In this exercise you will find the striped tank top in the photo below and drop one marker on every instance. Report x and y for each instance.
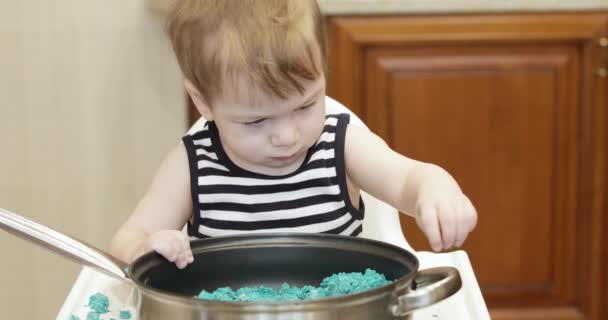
(229, 200)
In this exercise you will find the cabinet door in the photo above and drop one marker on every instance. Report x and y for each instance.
(511, 105)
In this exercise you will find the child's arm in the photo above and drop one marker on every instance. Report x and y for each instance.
(422, 190)
(156, 222)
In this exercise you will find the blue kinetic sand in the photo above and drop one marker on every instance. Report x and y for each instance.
(332, 286)
(99, 303)
(125, 314)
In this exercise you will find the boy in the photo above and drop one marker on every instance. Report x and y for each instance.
(268, 158)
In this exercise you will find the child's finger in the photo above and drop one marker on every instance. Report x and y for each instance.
(182, 245)
(186, 242)
(190, 257)
(168, 249)
(187, 256)
(463, 222)
(427, 221)
(182, 261)
(448, 225)
(472, 213)
(187, 251)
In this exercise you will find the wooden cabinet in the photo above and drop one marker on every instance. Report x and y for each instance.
(514, 107)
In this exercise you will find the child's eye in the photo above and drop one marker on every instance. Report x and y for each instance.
(255, 122)
(306, 107)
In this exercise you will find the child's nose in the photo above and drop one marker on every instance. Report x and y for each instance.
(285, 135)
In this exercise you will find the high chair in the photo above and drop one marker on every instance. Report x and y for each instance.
(381, 221)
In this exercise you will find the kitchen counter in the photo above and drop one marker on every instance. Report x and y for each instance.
(392, 7)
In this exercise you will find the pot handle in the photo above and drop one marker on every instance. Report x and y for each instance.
(62, 244)
(432, 285)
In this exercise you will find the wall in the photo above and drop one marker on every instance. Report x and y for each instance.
(390, 7)
(90, 100)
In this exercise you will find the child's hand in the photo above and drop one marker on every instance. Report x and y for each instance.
(423, 190)
(174, 245)
(444, 214)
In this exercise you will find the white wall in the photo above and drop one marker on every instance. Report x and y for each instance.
(90, 100)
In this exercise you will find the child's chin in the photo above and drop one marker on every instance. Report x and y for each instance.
(284, 167)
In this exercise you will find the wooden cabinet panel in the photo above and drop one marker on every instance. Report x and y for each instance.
(510, 105)
(504, 123)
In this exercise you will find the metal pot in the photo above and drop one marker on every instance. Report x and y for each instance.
(165, 292)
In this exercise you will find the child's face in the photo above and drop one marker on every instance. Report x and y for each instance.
(273, 135)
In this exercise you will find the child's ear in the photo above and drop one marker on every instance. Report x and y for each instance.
(199, 102)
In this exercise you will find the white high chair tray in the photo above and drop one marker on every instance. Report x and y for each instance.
(467, 304)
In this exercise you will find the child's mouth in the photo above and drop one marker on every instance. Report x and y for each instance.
(287, 158)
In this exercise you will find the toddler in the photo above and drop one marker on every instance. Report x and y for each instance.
(268, 158)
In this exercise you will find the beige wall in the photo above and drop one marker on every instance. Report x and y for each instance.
(366, 7)
(90, 100)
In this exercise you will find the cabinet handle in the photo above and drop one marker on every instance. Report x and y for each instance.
(602, 72)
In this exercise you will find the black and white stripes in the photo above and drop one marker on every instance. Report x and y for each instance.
(230, 200)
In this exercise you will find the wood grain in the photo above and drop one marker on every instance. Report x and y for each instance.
(510, 105)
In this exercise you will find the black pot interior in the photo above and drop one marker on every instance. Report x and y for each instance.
(271, 260)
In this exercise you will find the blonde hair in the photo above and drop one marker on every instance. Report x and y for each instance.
(276, 45)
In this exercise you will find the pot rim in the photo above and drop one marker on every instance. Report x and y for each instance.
(274, 239)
